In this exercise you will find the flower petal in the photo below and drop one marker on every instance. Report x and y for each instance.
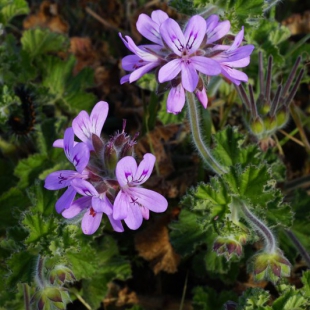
(216, 30)
(82, 126)
(91, 222)
(145, 169)
(149, 199)
(121, 206)
(125, 170)
(149, 28)
(102, 204)
(125, 79)
(189, 76)
(145, 212)
(202, 97)
(59, 179)
(169, 71)
(84, 188)
(134, 217)
(129, 63)
(69, 142)
(116, 224)
(176, 99)
(138, 73)
(98, 116)
(194, 33)
(80, 156)
(206, 65)
(234, 75)
(238, 39)
(65, 201)
(77, 207)
(173, 36)
(159, 16)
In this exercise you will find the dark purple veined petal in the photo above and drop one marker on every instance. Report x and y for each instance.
(91, 221)
(80, 156)
(125, 170)
(176, 99)
(59, 179)
(144, 170)
(65, 201)
(194, 33)
(121, 206)
(84, 188)
(173, 36)
(149, 199)
(77, 207)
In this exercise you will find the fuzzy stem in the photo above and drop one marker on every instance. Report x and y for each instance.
(26, 296)
(303, 252)
(201, 146)
(40, 273)
(269, 239)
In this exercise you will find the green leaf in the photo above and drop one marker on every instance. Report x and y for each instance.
(28, 169)
(230, 149)
(254, 299)
(186, 233)
(206, 298)
(305, 279)
(21, 266)
(39, 41)
(9, 9)
(148, 82)
(291, 299)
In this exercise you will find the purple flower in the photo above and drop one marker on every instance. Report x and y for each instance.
(233, 56)
(133, 202)
(92, 215)
(186, 58)
(216, 30)
(78, 155)
(84, 125)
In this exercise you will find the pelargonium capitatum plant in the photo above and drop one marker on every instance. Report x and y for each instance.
(107, 176)
(183, 58)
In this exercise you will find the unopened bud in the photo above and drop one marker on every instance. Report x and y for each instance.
(110, 156)
(270, 266)
(60, 275)
(257, 126)
(270, 123)
(97, 144)
(227, 246)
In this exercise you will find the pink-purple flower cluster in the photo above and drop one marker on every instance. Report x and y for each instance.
(181, 58)
(106, 176)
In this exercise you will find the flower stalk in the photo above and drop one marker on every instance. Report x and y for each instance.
(203, 149)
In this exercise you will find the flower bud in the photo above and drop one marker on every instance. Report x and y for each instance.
(270, 123)
(110, 156)
(60, 275)
(228, 246)
(257, 126)
(270, 266)
(282, 117)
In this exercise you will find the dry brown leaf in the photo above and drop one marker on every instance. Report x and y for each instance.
(153, 245)
(47, 17)
(298, 24)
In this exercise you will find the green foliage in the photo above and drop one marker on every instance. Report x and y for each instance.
(206, 298)
(9, 9)
(38, 41)
(254, 299)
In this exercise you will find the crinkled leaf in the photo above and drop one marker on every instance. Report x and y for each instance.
(41, 41)
(305, 279)
(254, 299)
(9, 9)
(186, 233)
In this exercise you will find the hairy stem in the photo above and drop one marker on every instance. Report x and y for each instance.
(200, 144)
(40, 273)
(303, 252)
(26, 296)
(265, 232)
